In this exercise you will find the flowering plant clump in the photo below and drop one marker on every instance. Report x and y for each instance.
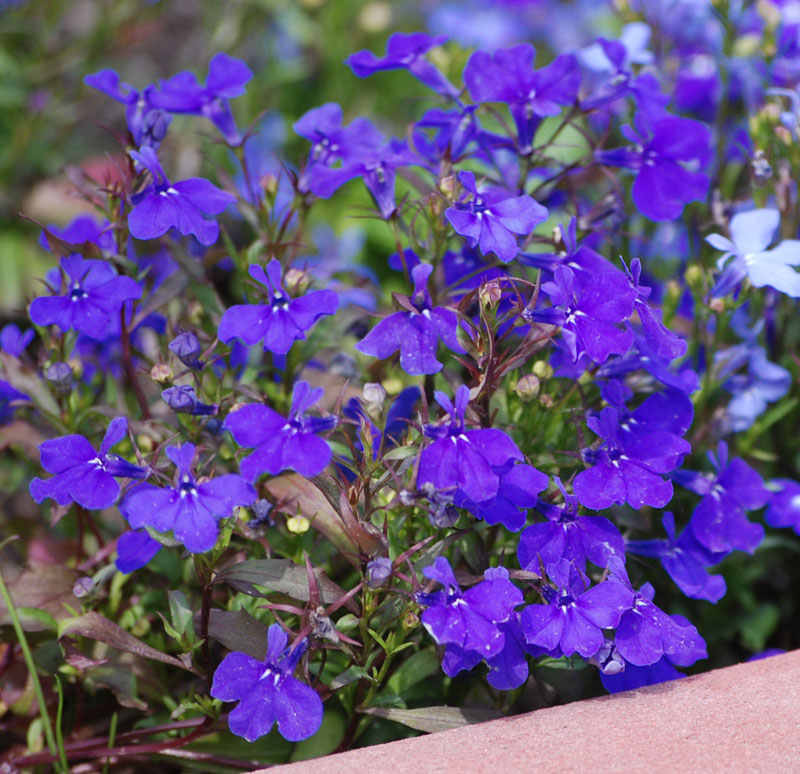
(501, 423)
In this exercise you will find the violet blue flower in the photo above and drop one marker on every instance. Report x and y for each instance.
(462, 459)
(627, 466)
(468, 619)
(507, 75)
(719, 520)
(147, 124)
(79, 231)
(182, 399)
(341, 153)
(405, 52)
(685, 559)
(280, 322)
(492, 217)
(267, 692)
(589, 312)
(566, 535)
(191, 511)
(784, 507)
(186, 347)
(573, 618)
(13, 341)
(183, 94)
(93, 300)
(662, 153)
(516, 493)
(645, 633)
(280, 442)
(163, 205)
(9, 394)
(83, 475)
(751, 234)
(415, 333)
(135, 549)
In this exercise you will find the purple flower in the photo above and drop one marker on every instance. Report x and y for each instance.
(93, 300)
(183, 94)
(79, 231)
(516, 492)
(186, 347)
(665, 153)
(638, 445)
(573, 619)
(282, 442)
(281, 322)
(134, 550)
(339, 154)
(182, 399)
(588, 313)
(405, 52)
(146, 123)
(267, 692)
(645, 633)
(719, 521)
(492, 217)
(190, 510)
(751, 234)
(415, 333)
(163, 205)
(508, 76)
(685, 559)
(784, 507)
(13, 341)
(82, 474)
(468, 619)
(565, 535)
(462, 459)
(378, 572)
(8, 394)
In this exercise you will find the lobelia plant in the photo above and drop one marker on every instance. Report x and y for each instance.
(337, 528)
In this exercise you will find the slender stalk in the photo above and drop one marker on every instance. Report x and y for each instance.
(56, 751)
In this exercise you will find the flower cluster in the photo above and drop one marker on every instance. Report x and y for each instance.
(464, 472)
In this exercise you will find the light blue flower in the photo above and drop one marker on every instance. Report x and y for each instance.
(751, 234)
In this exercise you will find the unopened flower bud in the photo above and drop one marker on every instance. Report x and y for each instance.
(490, 294)
(542, 369)
(298, 525)
(60, 376)
(717, 305)
(83, 587)
(161, 372)
(410, 621)
(296, 281)
(182, 399)
(694, 279)
(186, 347)
(378, 572)
(374, 396)
(528, 387)
(447, 186)
(269, 183)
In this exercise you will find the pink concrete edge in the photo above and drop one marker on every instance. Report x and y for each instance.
(742, 718)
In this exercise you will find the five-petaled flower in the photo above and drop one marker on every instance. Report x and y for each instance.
(280, 322)
(191, 510)
(282, 442)
(83, 475)
(267, 692)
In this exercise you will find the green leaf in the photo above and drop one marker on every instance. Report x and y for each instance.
(401, 453)
(413, 670)
(350, 675)
(432, 719)
(96, 627)
(34, 619)
(283, 576)
(180, 613)
(239, 631)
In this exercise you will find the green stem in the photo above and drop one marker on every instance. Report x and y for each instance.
(55, 750)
